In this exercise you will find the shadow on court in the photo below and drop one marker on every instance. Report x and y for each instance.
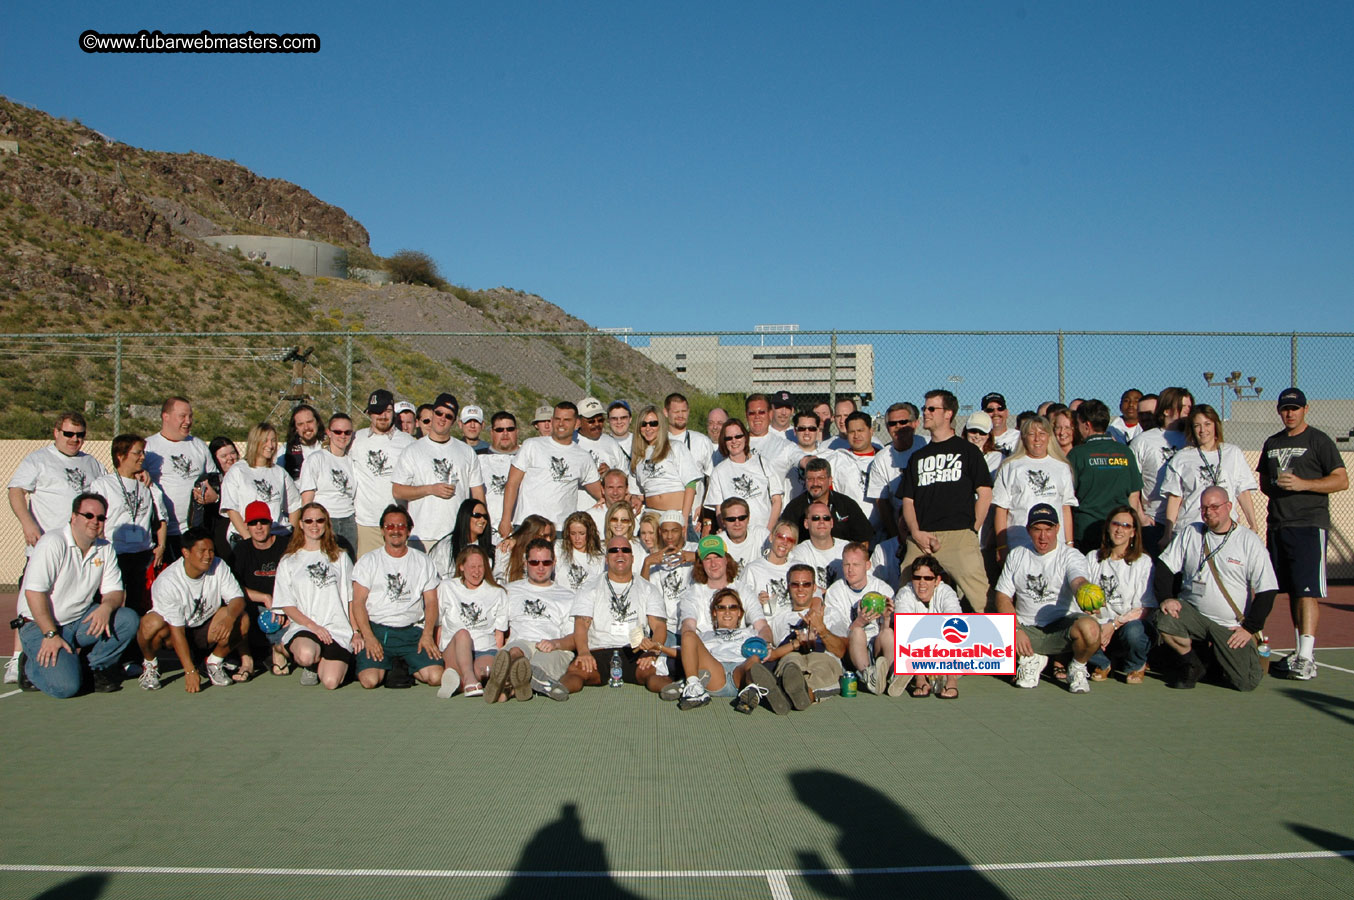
(1326, 840)
(86, 887)
(1338, 707)
(561, 847)
(873, 833)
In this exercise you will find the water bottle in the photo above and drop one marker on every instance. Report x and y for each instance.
(615, 669)
(1262, 648)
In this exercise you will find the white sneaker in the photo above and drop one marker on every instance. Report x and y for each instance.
(1302, 668)
(309, 677)
(694, 696)
(1028, 670)
(451, 680)
(12, 670)
(1078, 680)
(218, 674)
(150, 677)
(875, 677)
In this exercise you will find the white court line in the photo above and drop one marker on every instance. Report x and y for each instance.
(10, 694)
(780, 890)
(768, 874)
(1336, 668)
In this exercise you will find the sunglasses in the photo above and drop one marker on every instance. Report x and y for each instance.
(742, 518)
(97, 517)
(340, 431)
(479, 515)
(444, 415)
(620, 550)
(253, 522)
(393, 526)
(540, 562)
(648, 424)
(806, 428)
(734, 437)
(899, 424)
(314, 521)
(932, 408)
(925, 577)
(994, 408)
(820, 518)
(724, 607)
(79, 435)
(801, 584)
(507, 429)
(1121, 524)
(427, 421)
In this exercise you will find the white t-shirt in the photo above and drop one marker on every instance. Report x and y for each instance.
(552, 475)
(753, 547)
(1007, 441)
(494, 470)
(765, 577)
(428, 462)
(841, 605)
(756, 481)
(944, 601)
(176, 466)
(189, 602)
(539, 613)
(374, 457)
(1122, 432)
(843, 468)
(573, 569)
(617, 609)
(827, 564)
(887, 468)
(669, 475)
(395, 585)
(779, 453)
(53, 480)
(672, 582)
(885, 563)
(1241, 559)
(331, 478)
(695, 604)
(481, 612)
(69, 578)
(1154, 450)
(130, 504)
(605, 451)
(855, 480)
(1041, 585)
(1191, 471)
(726, 644)
(701, 448)
(1023, 482)
(319, 587)
(1126, 586)
(244, 484)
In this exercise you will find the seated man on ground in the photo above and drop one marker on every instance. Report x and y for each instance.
(869, 633)
(540, 622)
(807, 657)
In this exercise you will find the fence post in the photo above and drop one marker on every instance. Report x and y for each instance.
(832, 373)
(1062, 370)
(1293, 359)
(587, 364)
(348, 372)
(117, 387)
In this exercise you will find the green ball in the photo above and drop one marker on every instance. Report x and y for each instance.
(1090, 597)
(873, 602)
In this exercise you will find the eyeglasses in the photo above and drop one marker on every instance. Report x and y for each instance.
(340, 431)
(479, 515)
(96, 517)
(648, 424)
(724, 607)
(619, 418)
(1209, 506)
(444, 415)
(1121, 524)
(734, 437)
(932, 408)
(742, 518)
(507, 429)
(820, 518)
(620, 550)
(540, 562)
(801, 584)
(994, 408)
(395, 526)
(313, 521)
(253, 522)
(925, 577)
(899, 424)
(759, 412)
(427, 421)
(77, 435)
(806, 428)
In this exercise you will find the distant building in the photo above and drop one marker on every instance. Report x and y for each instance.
(805, 370)
(298, 254)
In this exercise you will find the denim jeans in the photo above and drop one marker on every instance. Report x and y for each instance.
(62, 679)
(1130, 640)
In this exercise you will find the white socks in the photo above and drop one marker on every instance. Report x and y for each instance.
(1306, 646)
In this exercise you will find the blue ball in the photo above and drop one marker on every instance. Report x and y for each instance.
(268, 622)
(755, 646)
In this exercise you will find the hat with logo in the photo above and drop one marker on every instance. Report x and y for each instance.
(1292, 398)
(380, 401)
(589, 407)
(447, 400)
(711, 544)
(783, 398)
(257, 510)
(988, 398)
(404, 406)
(1042, 512)
(543, 414)
(472, 414)
(979, 421)
(671, 516)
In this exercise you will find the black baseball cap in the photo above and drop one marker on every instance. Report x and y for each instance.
(380, 401)
(988, 398)
(1042, 512)
(1292, 398)
(447, 400)
(783, 399)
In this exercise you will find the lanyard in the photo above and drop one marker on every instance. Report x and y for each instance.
(1211, 472)
(1203, 548)
(133, 500)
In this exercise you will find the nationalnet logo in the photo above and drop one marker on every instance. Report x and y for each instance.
(937, 644)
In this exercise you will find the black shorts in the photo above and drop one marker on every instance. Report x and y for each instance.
(197, 637)
(1298, 554)
(332, 650)
(629, 661)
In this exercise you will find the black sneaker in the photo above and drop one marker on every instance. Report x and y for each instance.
(796, 688)
(24, 683)
(1192, 668)
(770, 688)
(107, 681)
(398, 677)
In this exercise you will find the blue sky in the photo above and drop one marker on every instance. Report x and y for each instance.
(699, 165)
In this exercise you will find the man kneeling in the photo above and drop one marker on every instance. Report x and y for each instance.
(196, 603)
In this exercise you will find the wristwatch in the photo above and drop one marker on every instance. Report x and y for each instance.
(50, 634)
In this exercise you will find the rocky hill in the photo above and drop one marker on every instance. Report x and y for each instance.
(100, 237)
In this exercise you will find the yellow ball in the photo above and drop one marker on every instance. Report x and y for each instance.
(1090, 597)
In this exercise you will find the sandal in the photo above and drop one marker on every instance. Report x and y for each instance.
(473, 690)
(1135, 677)
(281, 664)
(921, 690)
(1059, 671)
(242, 674)
(949, 693)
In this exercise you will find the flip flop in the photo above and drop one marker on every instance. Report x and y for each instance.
(921, 690)
(242, 675)
(949, 693)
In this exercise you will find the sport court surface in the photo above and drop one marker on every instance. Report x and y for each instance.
(272, 790)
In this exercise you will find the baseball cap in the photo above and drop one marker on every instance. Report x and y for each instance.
(979, 421)
(621, 404)
(1042, 512)
(379, 401)
(988, 398)
(671, 515)
(257, 510)
(589, 407)
(543, 414)
(472, 414)
(1292, 398)
(447, 400)
(711, 544)
(783, 398)
(404, 406)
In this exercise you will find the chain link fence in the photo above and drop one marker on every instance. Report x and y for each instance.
(236, 379)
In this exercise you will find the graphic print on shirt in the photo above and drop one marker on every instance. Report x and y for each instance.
(497, 483)
(396, 587)
(1284, 456)
(442, 470)
(559, 469)
(671, 584)
(378, 463)
(648, 468)
(1109, 583)
(263, 489)
(1038, 586)
(1039, 483)
(939, 468)
(181, 466)
(76, 480)
(196, 608)
(742, 486)
(534, 608)
(321, 574)
(577, 575)
(340, 481)
(779, 593)
(620, 608)
(471, 614)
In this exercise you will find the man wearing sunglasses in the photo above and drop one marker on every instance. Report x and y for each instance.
(435, 476)
(886, 471)
(68, 569)
(375, 451)
(1006, 439)
(540, 622)
(849, 521)
(495, 462)
(744, 541)
(821, 549)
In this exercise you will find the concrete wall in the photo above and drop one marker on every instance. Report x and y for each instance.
(306, 257)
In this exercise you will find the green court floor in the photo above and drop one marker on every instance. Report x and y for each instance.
(273, 790)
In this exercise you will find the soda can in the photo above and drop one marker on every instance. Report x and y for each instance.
(848, 684)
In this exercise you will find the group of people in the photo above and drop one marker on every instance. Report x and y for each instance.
(620, 546)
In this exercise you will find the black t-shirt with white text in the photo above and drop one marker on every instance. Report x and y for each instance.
(941, 479)
(1311, 455)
